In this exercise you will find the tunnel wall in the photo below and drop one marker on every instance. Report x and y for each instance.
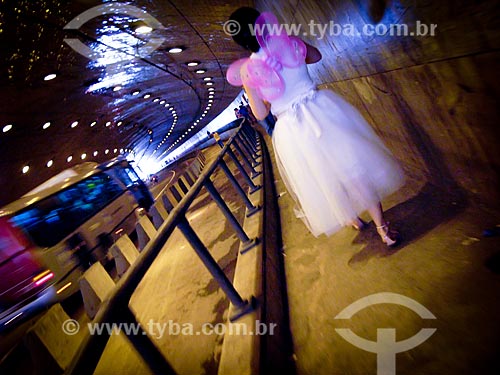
(432, 99)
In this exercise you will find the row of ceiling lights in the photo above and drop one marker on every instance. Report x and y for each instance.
(83, 156)
(211, 93)
(208, 81)
(174, 50)
(163, 103)
(74, 124)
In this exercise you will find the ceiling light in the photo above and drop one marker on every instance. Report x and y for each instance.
(176, 50)
(46, 125)
(50, 163)
(147, 96)
(162, 102)
(156, 100)
(94, 123)
(95, 153)
(210, 100)
(143, 29)
(69, 158)
(115, 150)
(108, 123)
(84, 156)
(6, 128)
(106, 152)
(119, 123)
(26, 168)
(200, 71)
(209, 83)
(117, 88)
(207, 78)
(136, 92)
(48, 77)
(192, 63)
(74, 124)
(211, 89)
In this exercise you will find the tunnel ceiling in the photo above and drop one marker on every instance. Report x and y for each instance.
(127, 93)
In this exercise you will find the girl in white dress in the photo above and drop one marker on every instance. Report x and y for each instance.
(330, 159)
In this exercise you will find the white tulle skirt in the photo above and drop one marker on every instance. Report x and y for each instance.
(331, 161)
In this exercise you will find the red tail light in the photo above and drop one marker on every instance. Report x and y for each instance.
(43, 277)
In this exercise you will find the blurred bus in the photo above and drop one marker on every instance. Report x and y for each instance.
(51, 235)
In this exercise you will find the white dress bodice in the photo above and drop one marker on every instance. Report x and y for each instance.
(297, 84)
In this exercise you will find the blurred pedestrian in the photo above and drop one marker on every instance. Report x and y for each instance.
(331, 160)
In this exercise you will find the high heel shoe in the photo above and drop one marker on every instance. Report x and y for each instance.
(359, 224)
(389, 236)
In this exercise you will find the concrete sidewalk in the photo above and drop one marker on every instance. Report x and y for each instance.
(444, 263)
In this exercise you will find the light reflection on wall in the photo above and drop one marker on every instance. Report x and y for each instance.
(116, 50)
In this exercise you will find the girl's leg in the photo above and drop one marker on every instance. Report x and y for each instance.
(388, 236)
(358, 224)
(377, 214)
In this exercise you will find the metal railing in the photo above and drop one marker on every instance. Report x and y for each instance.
(116, 308)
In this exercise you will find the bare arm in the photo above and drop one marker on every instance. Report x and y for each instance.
(260, 108)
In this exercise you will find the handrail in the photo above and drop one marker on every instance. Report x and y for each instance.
(116, 309)
(166, 186)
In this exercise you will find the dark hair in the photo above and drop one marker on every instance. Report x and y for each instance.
(245, 16)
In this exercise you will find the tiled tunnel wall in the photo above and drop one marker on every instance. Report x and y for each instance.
(432, 98)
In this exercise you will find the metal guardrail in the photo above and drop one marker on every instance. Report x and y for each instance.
(116, 310)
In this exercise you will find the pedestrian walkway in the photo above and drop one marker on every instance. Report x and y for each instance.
(444, 263)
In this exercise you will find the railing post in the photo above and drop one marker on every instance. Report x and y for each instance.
(241, 141)
(252, 152)
(247, 242)
(242, 306)
(251, 208)
(250, 134)
(253, 187)
(253, 172)
(248, 138)
(145, 347)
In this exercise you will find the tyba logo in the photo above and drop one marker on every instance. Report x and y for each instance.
(113, 8)
(386, 347)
